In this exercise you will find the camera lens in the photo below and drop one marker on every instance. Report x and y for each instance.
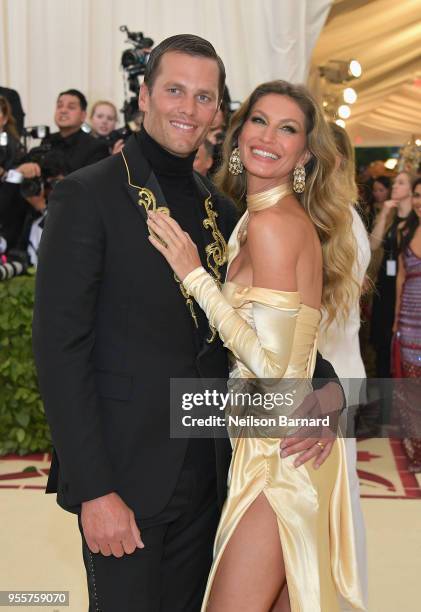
(31, 187)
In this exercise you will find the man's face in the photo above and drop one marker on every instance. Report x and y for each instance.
(183, 102)
(69, 114)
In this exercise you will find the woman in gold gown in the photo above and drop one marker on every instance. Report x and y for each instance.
(285, 539)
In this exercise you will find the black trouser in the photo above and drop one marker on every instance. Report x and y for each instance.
(170, 573)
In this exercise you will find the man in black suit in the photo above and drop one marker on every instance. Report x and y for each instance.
(76, 147)
(112, 326)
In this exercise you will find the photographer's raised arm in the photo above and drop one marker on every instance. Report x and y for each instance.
(68, 280)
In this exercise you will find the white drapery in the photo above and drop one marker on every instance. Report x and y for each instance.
(47, 46)
(385, 36)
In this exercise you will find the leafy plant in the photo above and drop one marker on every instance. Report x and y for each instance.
(23, 427)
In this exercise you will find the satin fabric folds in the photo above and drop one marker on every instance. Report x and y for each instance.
(271, 334)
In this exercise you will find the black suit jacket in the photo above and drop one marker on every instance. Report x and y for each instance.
(77, 150)
(110, 329)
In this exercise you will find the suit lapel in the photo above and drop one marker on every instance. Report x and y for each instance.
(146, 194)
(214, 256)
(142, 186)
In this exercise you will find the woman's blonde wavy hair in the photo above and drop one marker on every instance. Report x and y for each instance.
(326, 198)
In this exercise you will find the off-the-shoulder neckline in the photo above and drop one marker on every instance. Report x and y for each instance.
(302, 305)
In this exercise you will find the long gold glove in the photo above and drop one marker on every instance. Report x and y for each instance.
(265, 350)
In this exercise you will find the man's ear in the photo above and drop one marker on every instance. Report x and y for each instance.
(144, 98)
(83, 116)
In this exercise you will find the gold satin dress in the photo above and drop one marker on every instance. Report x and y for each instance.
(272, 335)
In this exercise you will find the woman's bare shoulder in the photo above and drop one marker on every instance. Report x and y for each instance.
(280, 228)
(276, 239)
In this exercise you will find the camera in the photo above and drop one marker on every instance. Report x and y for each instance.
(120, 134)
(10, 150)
(16, 264)
(52, 164)
(133, 63)
(4, 141)
(38, 132)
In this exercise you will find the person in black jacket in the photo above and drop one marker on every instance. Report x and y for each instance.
(13, 207)
(112, 327)
(77, 148)
(17, 111)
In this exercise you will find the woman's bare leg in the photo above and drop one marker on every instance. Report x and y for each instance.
(251, 572)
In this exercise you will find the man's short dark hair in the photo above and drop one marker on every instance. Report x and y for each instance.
(183, 43)
(77, 94)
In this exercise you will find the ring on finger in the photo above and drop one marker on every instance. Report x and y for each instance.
(322, 446)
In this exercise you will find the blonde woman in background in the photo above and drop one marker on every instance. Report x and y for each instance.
(103, 119)
(339, 343)
(285, 538)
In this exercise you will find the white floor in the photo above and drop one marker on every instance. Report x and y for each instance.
(40, 548)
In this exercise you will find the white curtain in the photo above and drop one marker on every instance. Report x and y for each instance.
(47, 46)
(385, 36)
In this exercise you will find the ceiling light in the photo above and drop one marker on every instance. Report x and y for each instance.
(418, 142)
(341, 123)
(390, 163)
(344, 111)
(355, 68)
(339, 71)
(350, 95)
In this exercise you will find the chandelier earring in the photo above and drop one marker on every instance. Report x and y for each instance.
(235, 165)
(299, 179)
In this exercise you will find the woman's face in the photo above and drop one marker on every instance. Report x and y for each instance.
(401, 187)
(273, 138)
(103, 120)
(416, 200)
(380, 192)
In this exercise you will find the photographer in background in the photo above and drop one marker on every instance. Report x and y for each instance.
(13, 98)
(78, 148)
(11, 147)
(103, 120)
(36, 192)
(13, 207)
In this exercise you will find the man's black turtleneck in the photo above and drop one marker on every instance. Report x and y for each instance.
(176, 179)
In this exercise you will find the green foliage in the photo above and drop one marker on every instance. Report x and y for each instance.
(23, 428)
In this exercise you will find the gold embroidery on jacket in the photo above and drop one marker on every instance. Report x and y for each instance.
(147, 199)
(216, 252)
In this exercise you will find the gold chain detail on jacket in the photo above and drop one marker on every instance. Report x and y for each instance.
(216, 252)
(148, 201)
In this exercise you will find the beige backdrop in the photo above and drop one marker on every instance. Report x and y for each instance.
(50, 45)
